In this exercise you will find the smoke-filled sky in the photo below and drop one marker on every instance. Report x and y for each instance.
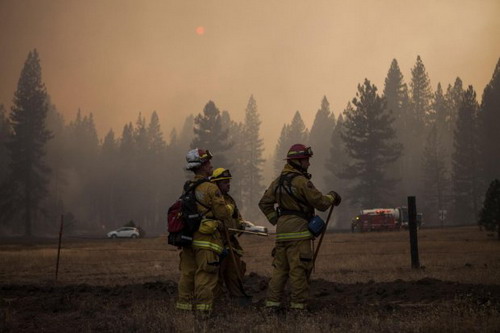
(116, 58)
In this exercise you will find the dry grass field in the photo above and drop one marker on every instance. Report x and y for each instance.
(362, 283)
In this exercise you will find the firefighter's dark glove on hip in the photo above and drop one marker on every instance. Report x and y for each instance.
(337, 199)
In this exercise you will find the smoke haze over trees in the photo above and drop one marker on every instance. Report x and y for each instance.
(410, 140)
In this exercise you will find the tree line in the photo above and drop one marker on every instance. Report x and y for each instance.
(406, 140)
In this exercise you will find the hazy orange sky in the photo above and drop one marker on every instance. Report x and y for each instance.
(116, 58)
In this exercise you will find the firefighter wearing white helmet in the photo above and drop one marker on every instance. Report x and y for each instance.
(296, 198)
(199, 264)
(228, 273)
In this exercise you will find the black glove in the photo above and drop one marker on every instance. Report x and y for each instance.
(337, 199)
(223, 254)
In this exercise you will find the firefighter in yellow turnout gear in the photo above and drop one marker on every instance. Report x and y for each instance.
(228, 274)
(296, 199)
(199, 264)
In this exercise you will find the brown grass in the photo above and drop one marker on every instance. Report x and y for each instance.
(462, 255)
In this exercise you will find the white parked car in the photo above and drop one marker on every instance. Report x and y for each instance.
(249, 226)
(124, 232)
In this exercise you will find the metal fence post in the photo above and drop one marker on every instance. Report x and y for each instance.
(412, 227)
(59, 247)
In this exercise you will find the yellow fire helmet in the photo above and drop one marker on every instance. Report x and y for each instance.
(220, 174)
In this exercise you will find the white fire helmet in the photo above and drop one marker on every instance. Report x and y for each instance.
(196, 157)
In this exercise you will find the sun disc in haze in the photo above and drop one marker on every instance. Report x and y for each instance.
(200, 30)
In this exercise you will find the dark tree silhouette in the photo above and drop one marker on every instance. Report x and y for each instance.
(295, 132)
(369, 140)
(321, 131)
(26, 185)
(490, 213)
(467, 164)
(334, 166)
(398, 102)
(436, 178)
(490, 120)
(252, 161)
(210, 133)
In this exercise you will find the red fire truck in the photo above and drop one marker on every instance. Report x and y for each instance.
(379, 219)
(375, 221)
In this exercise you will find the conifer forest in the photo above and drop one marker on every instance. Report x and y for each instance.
(407, 137)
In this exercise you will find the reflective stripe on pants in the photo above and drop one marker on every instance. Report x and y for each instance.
(271, 304)
(184, 306)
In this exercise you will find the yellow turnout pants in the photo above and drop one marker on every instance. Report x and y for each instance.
(292, 262)
(199, 275)
(228, 275)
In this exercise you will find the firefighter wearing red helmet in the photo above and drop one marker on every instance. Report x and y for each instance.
(199, 263)
(296, 199)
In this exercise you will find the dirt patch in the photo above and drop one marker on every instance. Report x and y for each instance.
(109, 308)
(397, 293)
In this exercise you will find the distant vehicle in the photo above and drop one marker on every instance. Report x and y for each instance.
(379, 219)
(249, 226)
(375, 222)
(124, 232)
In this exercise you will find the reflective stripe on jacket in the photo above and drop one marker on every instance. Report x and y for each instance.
(210, 198)
(207, 245)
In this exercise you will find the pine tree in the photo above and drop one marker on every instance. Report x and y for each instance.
(419, 120)
(235, 156)
(440, 118)
(398, 102)
(396, 96)
(210, 134)
(292, 133)
(82, 151)
(421, 94)
(335, 164)
(27, 183)
(82, 144)
(490, 120)
(108, 166)
(436, 182)
(252, 151)
(467, 160)
(453, 97)
(186, 135)
(125, 175)
(281, 149)
(298, 132)
(141, 140)
(323, 126)
(232, 158)
(490, 213)
(156, 142)
(439, 110)
(368, 137)
(337, 157)
(56, 160)
(140, 181)
(156, 180)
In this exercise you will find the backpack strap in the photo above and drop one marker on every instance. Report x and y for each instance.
(190, 186)
(285, 183)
